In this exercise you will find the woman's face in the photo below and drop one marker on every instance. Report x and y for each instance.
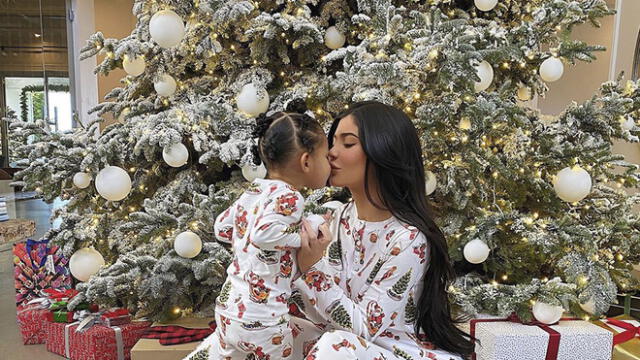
(346, 156)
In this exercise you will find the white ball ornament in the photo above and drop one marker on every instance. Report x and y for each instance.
(524, 93)
(485, 5)
(572, 184)
(175, 155)
(547, 314)
(187, 244)
(81, 180)
(476, 251)
(589, 306)
(485, 73)
(252, 172)
(166, 86)
(113, 183)
(166, 28)
(133, 67)
(252, 100)
(551, 69)
(432, 183)
(84, 263)
(628, 123)
(333, 38)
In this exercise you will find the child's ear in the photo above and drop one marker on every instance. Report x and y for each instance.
(305, 160)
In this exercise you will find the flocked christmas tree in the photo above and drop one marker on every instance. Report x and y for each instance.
(534, 207)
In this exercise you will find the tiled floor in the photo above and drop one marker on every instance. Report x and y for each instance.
(11, 347)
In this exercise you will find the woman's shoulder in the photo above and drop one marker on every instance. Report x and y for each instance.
(401, 234)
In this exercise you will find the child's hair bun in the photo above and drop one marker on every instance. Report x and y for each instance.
(262, 124)
(297, 106)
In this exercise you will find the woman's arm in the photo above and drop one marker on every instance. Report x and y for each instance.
(374, 310)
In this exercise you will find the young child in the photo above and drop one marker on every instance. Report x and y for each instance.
(263, 228)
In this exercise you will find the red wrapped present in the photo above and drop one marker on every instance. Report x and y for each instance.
(31, 323)
(38, 266)
(60, 316)
(115, 317)
(98, 342)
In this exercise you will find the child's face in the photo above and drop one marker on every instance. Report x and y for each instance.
(319, 165)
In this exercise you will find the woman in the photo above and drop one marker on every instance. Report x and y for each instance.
(380, 291)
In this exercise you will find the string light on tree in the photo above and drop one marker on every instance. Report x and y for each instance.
(166, 28)
(524, 93)
(84, 263)
(252, 172)
(113, 183)
(81, 180)
(485, 73)
(253, 100)
(547, 314)
(133, 67)
(165, 86)
(465, 123)
(187, 244)
(551, 69)
(572, 184)
(485, 5)
(175, 155)
(333, 38)
(476, 251)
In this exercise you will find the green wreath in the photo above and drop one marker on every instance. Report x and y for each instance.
(33, 89)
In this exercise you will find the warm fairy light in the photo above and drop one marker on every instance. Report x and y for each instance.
(505, 277)
(619, 257)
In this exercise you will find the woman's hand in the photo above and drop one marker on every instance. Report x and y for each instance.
(313, 245)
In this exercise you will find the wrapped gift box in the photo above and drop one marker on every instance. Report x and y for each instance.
(151, 349)
(507, 340)
(98, 342)
(32, 320)
(628, 350)
(16, 230)
(38, 266)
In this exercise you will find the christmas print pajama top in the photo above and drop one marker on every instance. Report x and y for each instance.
(263, 228)
(360, 299)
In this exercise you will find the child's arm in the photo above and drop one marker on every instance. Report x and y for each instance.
(223, 227)
(279, 225)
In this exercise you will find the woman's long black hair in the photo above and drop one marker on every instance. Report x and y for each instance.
(391, 144)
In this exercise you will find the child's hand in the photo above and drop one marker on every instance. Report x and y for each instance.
(312, 246)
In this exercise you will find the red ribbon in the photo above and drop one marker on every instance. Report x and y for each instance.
(58, 295)
(554, 336)
(630, 333)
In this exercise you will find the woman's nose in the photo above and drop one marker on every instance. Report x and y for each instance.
(333, 154)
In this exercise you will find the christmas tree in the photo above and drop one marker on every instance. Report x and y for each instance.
(533, 206)
(398, 289)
